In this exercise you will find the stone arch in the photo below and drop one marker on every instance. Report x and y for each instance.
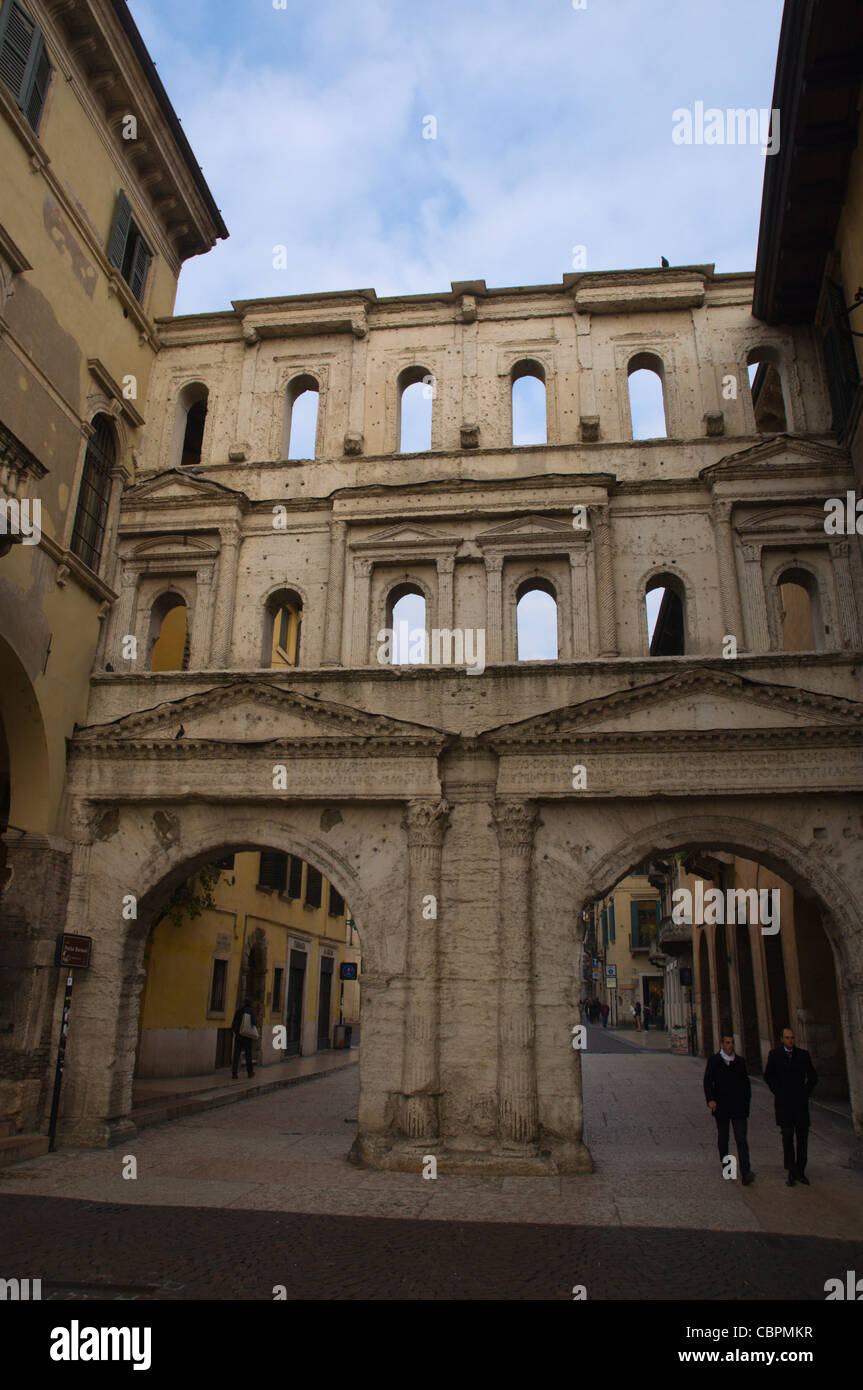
(401, 585)
(295, 387)
(648, 361)
(667, 575)
(531, 584)
(191, 424)
(813, 578)
(275, 598)
(166, 602)
(774, 417)
(415, 375)
(527, 367)
(29, 760)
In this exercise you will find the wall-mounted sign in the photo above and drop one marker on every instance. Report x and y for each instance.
(348, 970)
(73, 950)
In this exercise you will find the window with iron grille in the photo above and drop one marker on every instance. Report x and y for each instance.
(88, 532)
(218, 987)
(25, 67)
(337, 902)
(273, 871)
(295, 878)
(314, 885)
(127, 249)
(278, 976)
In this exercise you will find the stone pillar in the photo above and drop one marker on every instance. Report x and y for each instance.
(515, 823)
(849, 626)
(604, 580)
(425, 822)
(335, 595)
(122, 623)
(493, 607)
(758, 635)
(445, 566)
(362, 600)
(226, 588)
(580, 602)
(729, 589)
(201, 632)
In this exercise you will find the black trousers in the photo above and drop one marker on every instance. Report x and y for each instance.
(723, 1123)
(246, 1045)
(788, 1135)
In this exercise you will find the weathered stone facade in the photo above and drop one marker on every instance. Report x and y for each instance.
(461, 844)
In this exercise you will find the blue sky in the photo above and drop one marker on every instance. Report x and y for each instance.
(553, 132)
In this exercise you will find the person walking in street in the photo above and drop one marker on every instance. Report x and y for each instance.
(728, 1092)
(637, 1011)
(244, 1019)
(792, 1079)
(605, 1015)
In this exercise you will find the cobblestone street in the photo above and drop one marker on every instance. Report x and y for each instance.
(232, 1202)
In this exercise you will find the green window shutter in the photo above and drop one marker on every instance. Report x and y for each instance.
(140, 265)
(633, 918)
(120, 231)
(611, 920)
(37, 87)
(18, 38)
(295, 879)
(605, 926)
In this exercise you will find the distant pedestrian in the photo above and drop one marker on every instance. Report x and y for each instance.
(792, 1079)
(728, 1092)
(646, 1017)
(605, 1015)
(245, 1030)
(637, 1011)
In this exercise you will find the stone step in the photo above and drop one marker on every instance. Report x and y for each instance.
(15, 1148)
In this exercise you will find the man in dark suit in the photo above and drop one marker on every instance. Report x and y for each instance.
(728, 1092)
(792, 1079)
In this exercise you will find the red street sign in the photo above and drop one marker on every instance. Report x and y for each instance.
(74, 950)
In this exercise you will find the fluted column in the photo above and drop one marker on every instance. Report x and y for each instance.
(226, 588)
(493, 607)
(849, 625)
(445, 567)
(335, 595)
(729, 589)
(201, 633)
(122, 621)
(604, 580)
(425, 822)
(515, 823)
(758, 635)
(360, 625)
(580, 601)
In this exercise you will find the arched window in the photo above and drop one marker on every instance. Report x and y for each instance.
(646, 374)
(88, 532)
(168, 641)
(801, 627)
(536, 621)
(664, 597)
(765, 385)
(527, 380)
(416, 392)
(189, 424)
(406, 619)
(301, 418)
(282, 629)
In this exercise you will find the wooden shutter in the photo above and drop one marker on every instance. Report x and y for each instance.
(633, 918)
(140, 265)
(36, 88)
(295, 881)
(18, 37)
(273, 870)
(611, 920)
(120, 231)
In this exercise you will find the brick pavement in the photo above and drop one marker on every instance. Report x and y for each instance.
(655, 1208)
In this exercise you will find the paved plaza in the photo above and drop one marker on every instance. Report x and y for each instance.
(655, 1219)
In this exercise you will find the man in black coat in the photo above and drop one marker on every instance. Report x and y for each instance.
(728, 1092)
(243, 1042)
(792, 1079)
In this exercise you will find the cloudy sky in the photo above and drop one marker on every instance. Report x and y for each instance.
(553, 131)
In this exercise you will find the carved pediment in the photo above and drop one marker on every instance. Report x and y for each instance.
(254, 712)
(531, 528)
(776, 454)
(779, 521)
(406, 534)
(699, 701)
(178, 485)
(157, 547)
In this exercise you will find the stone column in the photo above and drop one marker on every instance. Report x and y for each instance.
(122, 623)
(335, 595)
(493, 607)
(604, 580)
(849, 626)
(758, 634)
(362, 600)
(729, 589)
(201, 632)
(226, 588)
(425, 822)
(580, 601)
(515, 823)
(445, 567)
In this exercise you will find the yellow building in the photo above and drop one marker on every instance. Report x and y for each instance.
(102, 202)
(627, 926)
(277, 933)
